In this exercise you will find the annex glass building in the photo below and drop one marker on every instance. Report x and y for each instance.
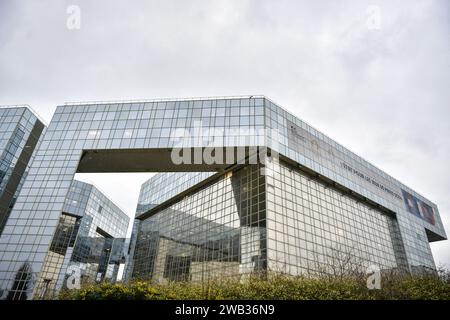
(89, 243)
(304, 208)
(20, 130)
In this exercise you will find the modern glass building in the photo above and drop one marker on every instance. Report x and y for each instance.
(245, 187)
(20, 130)
(89, 244)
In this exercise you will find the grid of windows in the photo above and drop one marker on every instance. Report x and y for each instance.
(216, 231)
(64, 238)
(314, 228)
(9, 156)
(90, 236)
(17, 125)
(152, 124)
(11, 119)
(85, 199)
(165, 186)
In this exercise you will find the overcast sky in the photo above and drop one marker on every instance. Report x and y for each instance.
(375, 75)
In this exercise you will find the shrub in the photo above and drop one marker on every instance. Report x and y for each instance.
(277, 287)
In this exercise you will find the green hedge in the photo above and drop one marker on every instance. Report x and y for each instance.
(277, 287)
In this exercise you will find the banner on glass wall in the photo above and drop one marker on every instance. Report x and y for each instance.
(418, 207)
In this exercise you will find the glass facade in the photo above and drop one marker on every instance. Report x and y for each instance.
(89, 240)
(314, 228)
(165, 186)
(139, 136)
(283, 221)
(20, 130)
(218, 230)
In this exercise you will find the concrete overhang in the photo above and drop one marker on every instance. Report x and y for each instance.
(160, 160)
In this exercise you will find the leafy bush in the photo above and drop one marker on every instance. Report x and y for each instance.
(275, 287)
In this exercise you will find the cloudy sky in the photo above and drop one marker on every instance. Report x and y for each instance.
(373, 75)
